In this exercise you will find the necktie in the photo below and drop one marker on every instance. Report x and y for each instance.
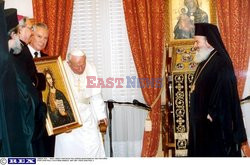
(36, 54)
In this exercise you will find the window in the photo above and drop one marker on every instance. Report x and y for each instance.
(99, 29)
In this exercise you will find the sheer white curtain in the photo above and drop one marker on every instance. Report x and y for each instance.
(99, 29)
(246, 106)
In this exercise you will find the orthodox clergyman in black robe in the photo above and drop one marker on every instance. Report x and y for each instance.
(216, 122)
(18, 101)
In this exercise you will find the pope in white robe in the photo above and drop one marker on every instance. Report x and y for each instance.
(85, 141)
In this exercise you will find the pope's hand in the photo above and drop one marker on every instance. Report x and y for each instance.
(103, 125)
(105, 121)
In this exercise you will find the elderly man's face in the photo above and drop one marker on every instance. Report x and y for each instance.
(25, 32)
(39, 38)
(200, 42)
(202, 47)
(77, 64)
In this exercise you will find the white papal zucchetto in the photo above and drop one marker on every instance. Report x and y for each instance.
(77, 52)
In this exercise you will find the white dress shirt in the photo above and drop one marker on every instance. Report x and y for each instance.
(32, 51)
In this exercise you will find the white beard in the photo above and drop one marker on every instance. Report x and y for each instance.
(16, 45)
(202, 54)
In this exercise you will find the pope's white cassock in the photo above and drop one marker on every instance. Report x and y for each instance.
(86, 141)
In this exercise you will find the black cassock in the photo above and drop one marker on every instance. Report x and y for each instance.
(215, 94)
(18, 101)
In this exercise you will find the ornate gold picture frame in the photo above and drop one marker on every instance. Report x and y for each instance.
(62, 113)
(181, 16)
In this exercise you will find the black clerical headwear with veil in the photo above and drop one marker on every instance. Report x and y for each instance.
(11, 18)
(213, 36)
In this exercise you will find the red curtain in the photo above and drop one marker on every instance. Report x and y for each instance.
(234, 23)
(57, 14)
(145, 26)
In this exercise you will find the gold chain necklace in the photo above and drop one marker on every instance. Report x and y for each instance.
(199, 72)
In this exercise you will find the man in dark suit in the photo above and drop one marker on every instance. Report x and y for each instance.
(38, 42)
